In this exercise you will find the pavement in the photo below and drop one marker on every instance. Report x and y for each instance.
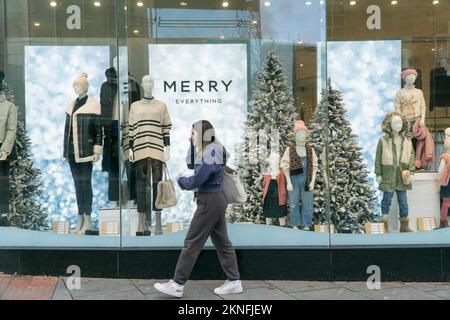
(14, 287)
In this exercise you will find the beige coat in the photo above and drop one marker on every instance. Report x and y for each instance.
(8, 125)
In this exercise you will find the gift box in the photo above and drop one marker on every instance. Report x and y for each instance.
(109, 222)
(426, 223)
(176, 226)
(62, 227)
(374, 228)
(326, 228)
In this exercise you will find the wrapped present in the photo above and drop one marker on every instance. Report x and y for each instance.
(426, 223)
(374, 228)
(62, 227)
(326, 228)
(176, 226)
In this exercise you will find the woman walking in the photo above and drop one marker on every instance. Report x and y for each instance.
(208, 157)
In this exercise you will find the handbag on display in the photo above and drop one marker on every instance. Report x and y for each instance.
(166, 195)
(232, 187)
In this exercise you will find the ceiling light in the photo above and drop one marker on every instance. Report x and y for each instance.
(267, 3)
(140, 4)
(436, 2)
(308, 3)
(300, 42)
(97, 3)
(183, 4)
(37, 24)
(225, 4)
(136, 31)
(352, 3)
(53, 3)
(302, 65)
(394, 2)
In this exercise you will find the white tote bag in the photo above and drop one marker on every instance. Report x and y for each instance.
(232, 187)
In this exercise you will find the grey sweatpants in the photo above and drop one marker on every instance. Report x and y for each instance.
(208, 220)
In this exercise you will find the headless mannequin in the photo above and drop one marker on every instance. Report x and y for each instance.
(84, 222)
(300, 144)
(445, 200)
(443, 59)
(396, 126)
(148, 84)
(274, 163)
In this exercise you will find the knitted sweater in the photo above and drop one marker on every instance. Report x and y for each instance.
(410, 102)
(149, 129)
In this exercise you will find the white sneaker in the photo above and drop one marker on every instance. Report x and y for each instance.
(306, 229)
(229, 287)
(170, 288)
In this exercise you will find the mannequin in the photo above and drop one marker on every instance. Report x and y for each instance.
(275, 192)
(394, 167)
(299, 164)
(83, 147)
(408, 63)
(8, 131)
(149, 133)
(443, 178)
(410, 101)
(109, 101)
(440, 82)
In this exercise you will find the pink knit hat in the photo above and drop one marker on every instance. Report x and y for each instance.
(300, 125)
(407, 72)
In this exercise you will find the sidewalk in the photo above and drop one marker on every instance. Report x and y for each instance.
(50, 288)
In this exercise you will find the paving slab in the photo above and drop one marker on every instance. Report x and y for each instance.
(124, 295)
(5, 281)
(429, 286)
(92, 286)
(146, 286)
(329, 294)
(406, 293)
(31, 288)
(61, 292)
(270, 293)
(246, 284)
(297, 286)
(445, 294)
(362, 286)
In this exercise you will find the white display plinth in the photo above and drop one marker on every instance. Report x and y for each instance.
(423, 201)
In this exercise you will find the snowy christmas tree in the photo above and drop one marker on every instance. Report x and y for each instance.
(351, 198)
(25, 185)
(269, 127)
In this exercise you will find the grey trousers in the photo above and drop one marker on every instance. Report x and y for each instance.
(208, 220)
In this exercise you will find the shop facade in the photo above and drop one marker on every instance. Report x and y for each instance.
(334, 113)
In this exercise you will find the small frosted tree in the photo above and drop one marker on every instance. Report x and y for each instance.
(269, 127)
(25, 184)
(351, 198)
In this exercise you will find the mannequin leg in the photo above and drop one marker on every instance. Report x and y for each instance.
(269, 221)
(307, 204)
(4, 187)
(403, 207)
(385, 207)
(157, 171)
(444, 213)
(141, 192)
(282, 222)
(87, 195)
(294, 198)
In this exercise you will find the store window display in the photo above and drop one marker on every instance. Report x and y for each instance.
(440, 81)
(149, 134)
(82, 148)
(394, 166)
(8, 131)
(300, 165)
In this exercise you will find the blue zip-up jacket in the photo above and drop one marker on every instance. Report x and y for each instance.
(208, 175)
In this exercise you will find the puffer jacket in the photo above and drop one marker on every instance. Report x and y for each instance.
(87, 131)
(8, 126)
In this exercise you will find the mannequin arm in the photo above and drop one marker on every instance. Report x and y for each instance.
(11, 131)
(423, 110)
(315, 167)
(440, 172)
(378, 166)
(397, 104)
(285, 166)
(166, 153)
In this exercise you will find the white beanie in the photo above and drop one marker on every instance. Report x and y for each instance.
(82, 81)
